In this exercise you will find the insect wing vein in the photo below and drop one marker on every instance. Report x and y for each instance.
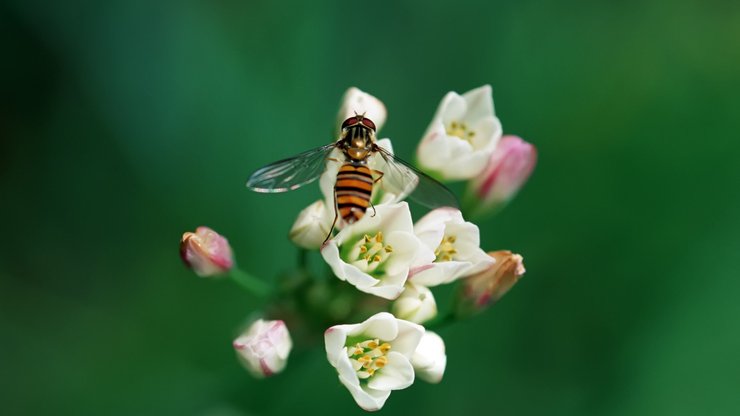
(291, 173)
(402, 179)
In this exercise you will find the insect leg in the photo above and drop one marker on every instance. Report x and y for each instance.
(336, 215)
(373, 206)
(378, 172)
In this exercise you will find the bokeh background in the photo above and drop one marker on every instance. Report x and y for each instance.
(125, 123)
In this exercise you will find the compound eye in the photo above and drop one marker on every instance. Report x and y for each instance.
(368, 123)
(348, 122)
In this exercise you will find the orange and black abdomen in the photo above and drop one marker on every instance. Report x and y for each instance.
(353, 190)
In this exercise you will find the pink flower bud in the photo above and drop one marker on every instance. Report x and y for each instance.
(206, 252)
(482, 289)
(264, 347)
(508, 169)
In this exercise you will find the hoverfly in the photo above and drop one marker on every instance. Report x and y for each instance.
(355, 180)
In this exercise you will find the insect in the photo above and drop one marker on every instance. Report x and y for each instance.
(355, 180)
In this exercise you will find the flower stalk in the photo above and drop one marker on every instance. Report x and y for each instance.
(250, 283)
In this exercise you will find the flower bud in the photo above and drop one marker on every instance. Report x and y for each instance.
(312, 226)
(356, 101)
(482, 289)
(264, 347)
(416, 304)
(508, 169)
(206, 252)
(429, 359)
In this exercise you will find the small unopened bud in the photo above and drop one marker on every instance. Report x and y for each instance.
(506, 172)
(482, 289)
(416, 304)
(264, 347)
(356, 101)
(312, 226)
(429, 359)
(206, 252)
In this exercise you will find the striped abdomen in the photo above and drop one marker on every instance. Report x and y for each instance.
(353, 190)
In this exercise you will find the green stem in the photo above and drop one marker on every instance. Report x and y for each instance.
(442, 321)
(252, 284)
(303, 258)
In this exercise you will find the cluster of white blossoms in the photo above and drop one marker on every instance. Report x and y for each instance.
(389, 256)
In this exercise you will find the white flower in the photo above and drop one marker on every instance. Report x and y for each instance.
(429, 359)
(456, 246)
(264, 347)
(312, 226)
(356, 101)
(373, 358)
(376, 253)
(416, 304)
(462, 135)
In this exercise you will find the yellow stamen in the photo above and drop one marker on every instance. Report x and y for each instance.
(446, 249)
(380, 362)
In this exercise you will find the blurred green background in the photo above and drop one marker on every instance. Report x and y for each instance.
(125, 123)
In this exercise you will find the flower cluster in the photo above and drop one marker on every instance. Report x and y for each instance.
(385, 265)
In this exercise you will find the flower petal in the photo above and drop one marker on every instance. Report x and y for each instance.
(480, 102)
(368, 399)
(396, 375)
(409, 336)
(382, 325)
(334, 341)
(440, 273)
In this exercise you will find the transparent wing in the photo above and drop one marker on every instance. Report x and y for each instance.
(292, 173)
(402, 179)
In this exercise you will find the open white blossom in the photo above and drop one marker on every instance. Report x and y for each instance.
(456, 246)
(312, 226)
(462, 135)
(376, 253)
(356, 101)
(264, 347)
(429, 359)
(374, 357)
(416, 304)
